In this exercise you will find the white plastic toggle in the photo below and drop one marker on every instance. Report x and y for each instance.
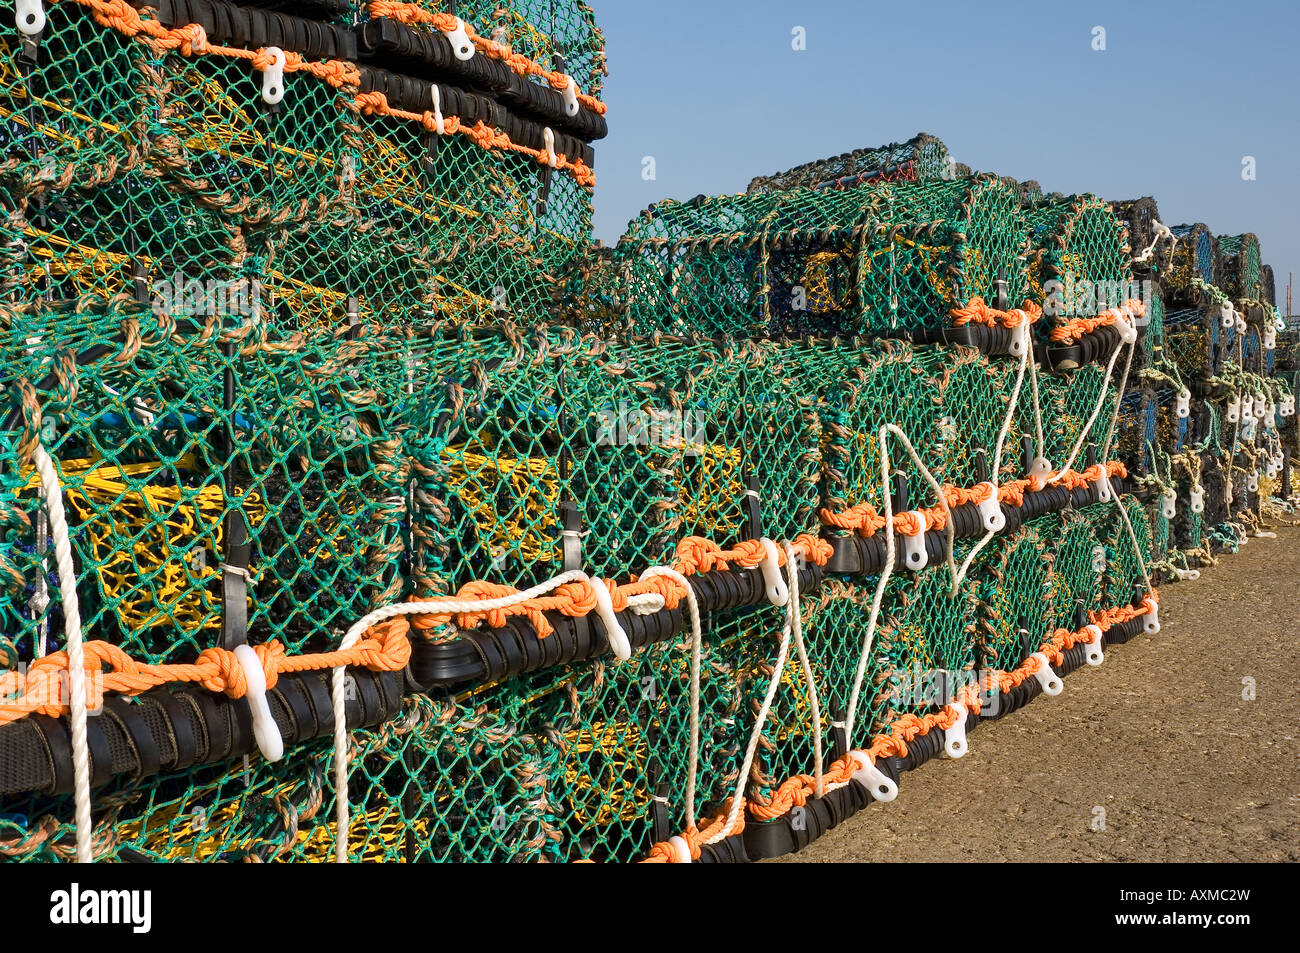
(1187, 575)
(439, 123)
(1104, 492)
(548, 137)
(618, 640)
(954, 738)
(1095, 654)
(1051, 682)
(1183, 403)
(1270, 338)
(1227, 316)
(1151, 621)
(991, 510)
(1019, 339)
(1288, 404)
(914, 554)
(1270, 414)
(881, 785)
(1168, 504)
(1252, 482)
(273, 76)
(570, 96)
(777, 593)
(265, 731)
(1234, 410)
(1270, 470)
(681, 848)
(30, 16)
(1041, 467)
(1127, 330)
(461, 45)
(1198, 499)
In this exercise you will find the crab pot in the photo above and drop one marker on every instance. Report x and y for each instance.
(1241, 265)
(1078, 258)
(1195, 255)
(890, 260)
(921, 157)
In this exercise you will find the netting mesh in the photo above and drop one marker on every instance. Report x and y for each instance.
(891, 257)
(297, 361)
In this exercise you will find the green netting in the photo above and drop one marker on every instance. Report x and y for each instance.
(1079, 262)
(394, 361)
(75, 118)
(891, 257)
(1241, 265)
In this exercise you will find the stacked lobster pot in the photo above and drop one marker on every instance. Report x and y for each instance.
(375, 514)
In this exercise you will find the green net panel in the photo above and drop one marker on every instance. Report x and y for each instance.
(894, 257)
(77, 116)
(1240, 255)
(1194, 254)
(923, 648)
(1077, 564)
(156, 468)
(1078, 249)
(921, 157)
(1013, 589)
(1122, 576)
(616, 740)
(440, 783)
(1192, 341)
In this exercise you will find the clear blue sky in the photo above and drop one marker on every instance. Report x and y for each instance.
(1184, 90)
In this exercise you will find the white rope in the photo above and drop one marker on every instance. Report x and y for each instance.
(814, 702)
(792, 620)
(885, 573)
(949, 530)
(53, 495)
(1162, 231)
(642, 603)
(693, 608)
(1096, 412)
(1012, 406)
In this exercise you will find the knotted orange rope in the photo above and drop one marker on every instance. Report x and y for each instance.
(1076, 328)
(864, 519)
(384, 648)
(978, 311)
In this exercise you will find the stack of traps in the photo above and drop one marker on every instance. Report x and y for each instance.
(302, 300)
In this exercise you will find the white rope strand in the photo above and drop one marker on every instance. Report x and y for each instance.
(438, 607)
(52, 493)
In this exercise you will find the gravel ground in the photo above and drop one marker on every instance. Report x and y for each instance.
(1158, 755)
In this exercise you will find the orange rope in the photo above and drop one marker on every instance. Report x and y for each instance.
(979, 312)
(412, 14)
(867, 522)
(1076, 328)
(384, 648)
(376, 103)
